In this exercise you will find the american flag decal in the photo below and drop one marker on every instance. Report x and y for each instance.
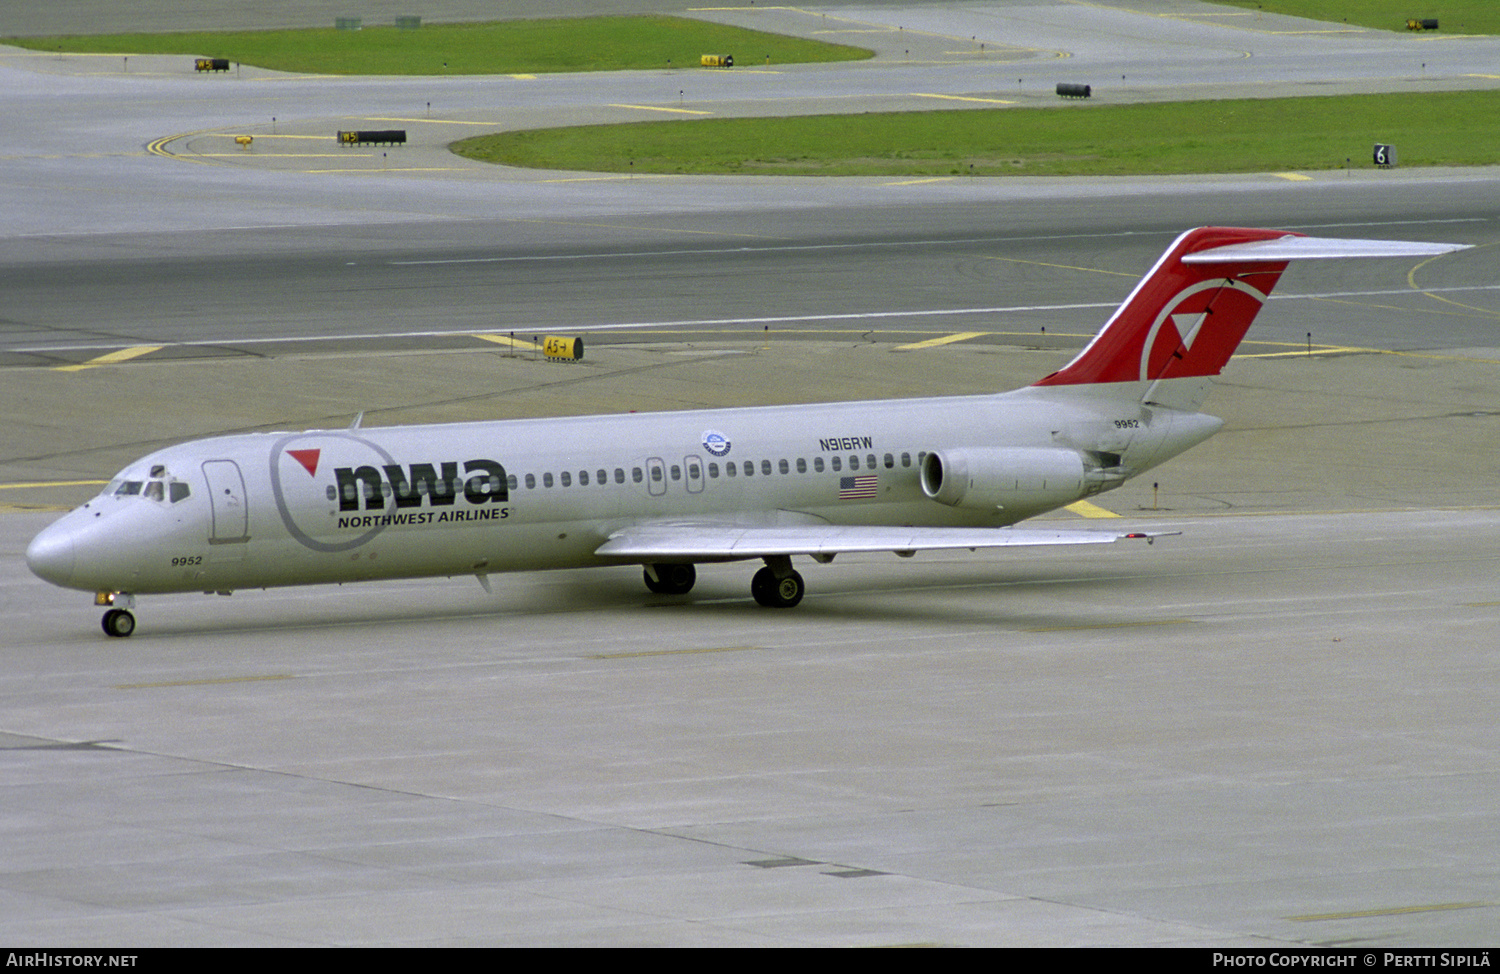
(854, 488)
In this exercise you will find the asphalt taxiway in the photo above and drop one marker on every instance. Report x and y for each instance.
(1274, 729)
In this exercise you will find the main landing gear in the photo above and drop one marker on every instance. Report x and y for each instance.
(775, 592)
(671, 579)
(776, 586)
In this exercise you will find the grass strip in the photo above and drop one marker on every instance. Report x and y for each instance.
(1453, 16)
(504, 47)
(1075, 139)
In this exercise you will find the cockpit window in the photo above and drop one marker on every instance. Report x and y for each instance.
(154, 489)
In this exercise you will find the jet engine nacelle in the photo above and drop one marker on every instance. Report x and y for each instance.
(1004, 477)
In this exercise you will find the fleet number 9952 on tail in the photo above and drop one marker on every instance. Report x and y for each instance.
(668, 491)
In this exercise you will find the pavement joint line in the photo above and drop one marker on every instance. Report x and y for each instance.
(1113, 625)
(673, 652)
(203, 683)
(1064, 267)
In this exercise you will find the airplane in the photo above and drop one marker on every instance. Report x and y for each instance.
(672, 490)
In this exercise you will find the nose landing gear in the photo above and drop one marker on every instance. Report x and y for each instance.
(118, 621)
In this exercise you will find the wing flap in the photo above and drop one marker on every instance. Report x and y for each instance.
(690, 541)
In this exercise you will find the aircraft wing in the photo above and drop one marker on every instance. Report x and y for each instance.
(711, 540)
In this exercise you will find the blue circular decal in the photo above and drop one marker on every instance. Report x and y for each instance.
(715, 442)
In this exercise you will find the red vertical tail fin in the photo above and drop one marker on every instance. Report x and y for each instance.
(1188, 315)
(1180, 325)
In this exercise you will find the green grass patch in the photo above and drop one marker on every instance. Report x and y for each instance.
(1453, 16)
(505, 47)
(1270, 135)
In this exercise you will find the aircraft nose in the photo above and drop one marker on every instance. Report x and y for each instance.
(50, 556)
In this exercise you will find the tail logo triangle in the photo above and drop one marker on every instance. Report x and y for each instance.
(1175, 334)
(1187, 326)
(308, 459)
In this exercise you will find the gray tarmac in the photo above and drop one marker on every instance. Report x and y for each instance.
(1275, 729)
(1270, 731)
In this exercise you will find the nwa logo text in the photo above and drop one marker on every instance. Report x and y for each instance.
(437, 484)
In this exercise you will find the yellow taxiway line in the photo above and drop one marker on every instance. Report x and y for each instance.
(513, 342)
(961, 336)
(110, 358)
(1086, 509)
(657, 108)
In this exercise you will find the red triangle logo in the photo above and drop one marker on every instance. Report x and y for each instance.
(308, 459)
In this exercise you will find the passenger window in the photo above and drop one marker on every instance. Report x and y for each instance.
(817, 464)
(676, 472)
(854, 463)
(656, 474)
(531, 481)
(765, 467)
(713, 470)
(635, 474)
(870, 461)
(583, 478)
(546, 480)
(603, 477)
(835, 463)
(783, 466)
(731, 469)
(802, 465)
(510, 481)
(566, 478)
(749, 468)
(619, 475)
(906, 459)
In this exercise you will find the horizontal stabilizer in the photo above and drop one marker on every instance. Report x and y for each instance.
(1292, 247)
(713, 540)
